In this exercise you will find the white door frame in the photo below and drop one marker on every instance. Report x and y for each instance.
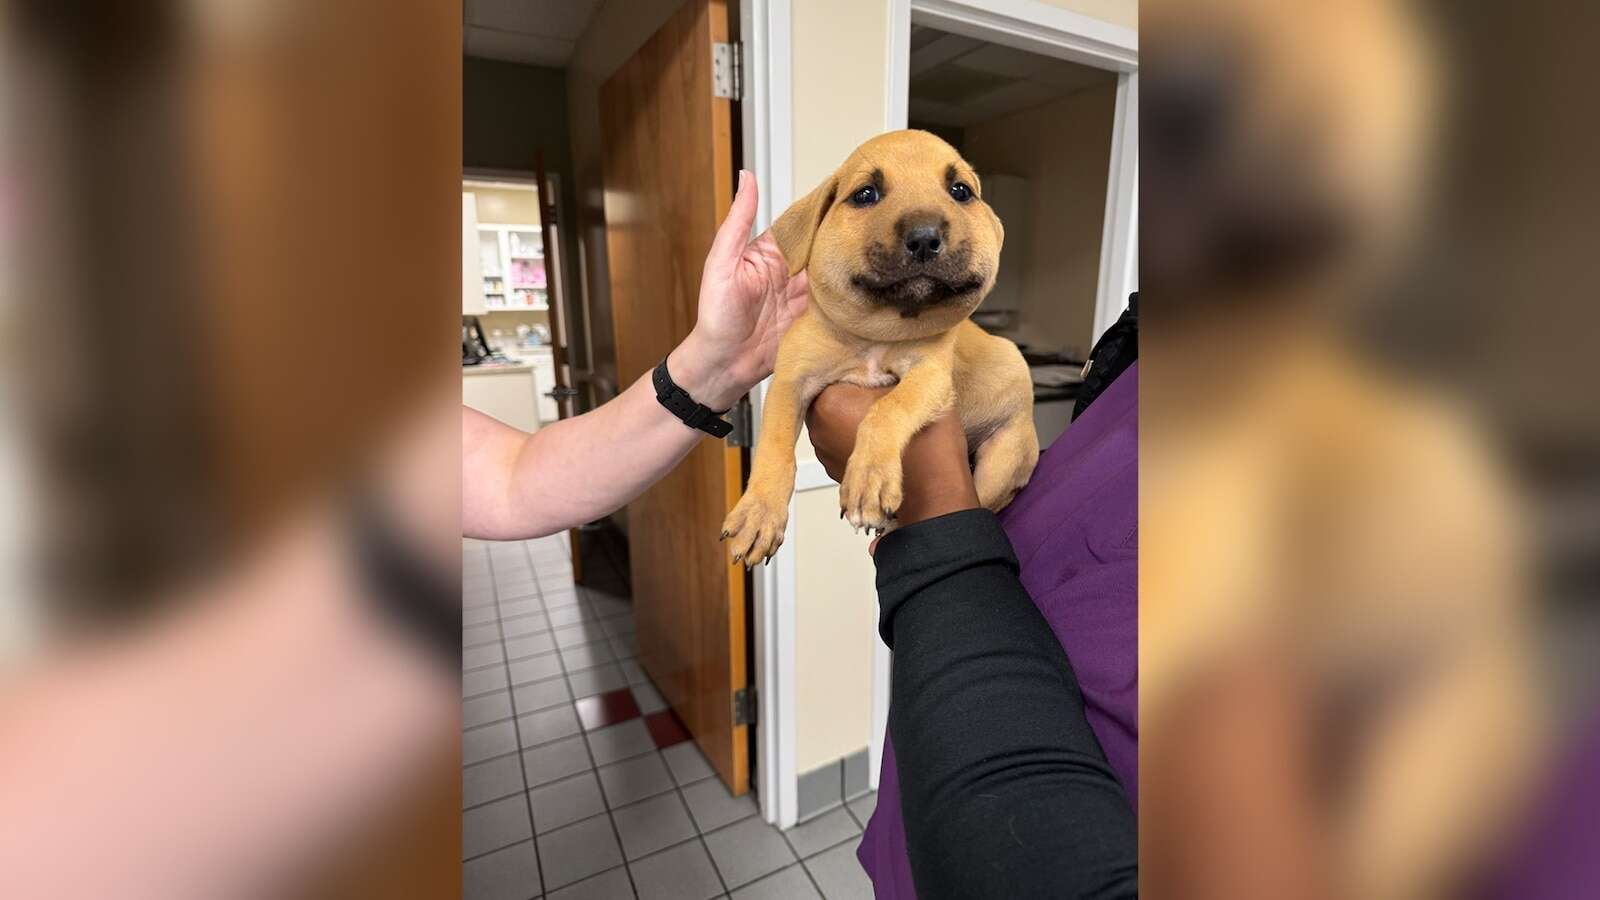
(767, 113)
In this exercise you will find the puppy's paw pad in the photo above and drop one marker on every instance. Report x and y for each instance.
(754, 529)
(870, 495)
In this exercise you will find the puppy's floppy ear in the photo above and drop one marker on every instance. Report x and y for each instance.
(797, 227)
(994, 219)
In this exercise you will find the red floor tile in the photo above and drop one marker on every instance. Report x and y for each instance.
(665, 729)
(607, 709)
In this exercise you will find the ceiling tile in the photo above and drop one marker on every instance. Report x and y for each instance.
(510, 46)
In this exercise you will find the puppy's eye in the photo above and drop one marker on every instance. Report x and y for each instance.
(865, 196)
(961, 192)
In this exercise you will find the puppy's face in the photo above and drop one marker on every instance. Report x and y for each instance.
(1281, 141)
(898, 242)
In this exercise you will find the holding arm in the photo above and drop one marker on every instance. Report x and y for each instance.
(1005, 790)
(518, 485)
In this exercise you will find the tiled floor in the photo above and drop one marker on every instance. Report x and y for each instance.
(579, 782)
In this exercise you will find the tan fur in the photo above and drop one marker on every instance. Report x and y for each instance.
(935, 360)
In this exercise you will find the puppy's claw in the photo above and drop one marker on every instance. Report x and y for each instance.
(724, 535)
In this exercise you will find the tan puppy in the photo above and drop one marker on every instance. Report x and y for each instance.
(900, 248)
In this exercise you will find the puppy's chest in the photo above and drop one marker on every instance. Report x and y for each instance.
(877, 367)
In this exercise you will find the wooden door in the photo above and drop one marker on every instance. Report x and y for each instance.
(668, 183)
(564, 392)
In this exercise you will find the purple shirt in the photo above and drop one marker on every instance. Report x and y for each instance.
(1075, 530)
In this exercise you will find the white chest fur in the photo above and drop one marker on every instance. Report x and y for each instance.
(875, 368)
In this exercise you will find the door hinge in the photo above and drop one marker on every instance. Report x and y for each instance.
(740, 418)
(745, 706)
(727, 79)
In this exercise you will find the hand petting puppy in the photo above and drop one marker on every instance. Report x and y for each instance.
(747, 302)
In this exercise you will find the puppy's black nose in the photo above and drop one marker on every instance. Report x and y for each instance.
(923, 242)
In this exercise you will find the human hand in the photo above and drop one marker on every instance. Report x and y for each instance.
(747, 302)
(937, 478)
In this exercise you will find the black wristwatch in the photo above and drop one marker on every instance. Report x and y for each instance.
(679, 403)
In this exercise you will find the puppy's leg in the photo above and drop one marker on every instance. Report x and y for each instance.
(1005, 461)
(871, 490)
(754, 527)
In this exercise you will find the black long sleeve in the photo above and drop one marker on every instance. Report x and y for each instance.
(1004, 788)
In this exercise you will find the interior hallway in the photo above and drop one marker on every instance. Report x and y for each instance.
(577, 781)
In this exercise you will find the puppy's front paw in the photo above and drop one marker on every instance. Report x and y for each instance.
(870, 495)
(754, 529)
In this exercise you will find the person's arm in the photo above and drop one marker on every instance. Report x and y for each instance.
(1005, 791)
(519, 485)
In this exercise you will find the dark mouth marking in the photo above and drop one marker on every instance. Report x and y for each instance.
(912, 288)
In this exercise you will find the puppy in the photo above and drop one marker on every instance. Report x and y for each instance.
(900, 248)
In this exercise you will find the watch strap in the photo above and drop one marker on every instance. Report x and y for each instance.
(685, 408)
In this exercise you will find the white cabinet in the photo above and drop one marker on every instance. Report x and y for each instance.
(504, 392)
(510, 260)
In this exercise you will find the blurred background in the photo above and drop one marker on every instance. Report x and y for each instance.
(230, 248)
(1369, 588)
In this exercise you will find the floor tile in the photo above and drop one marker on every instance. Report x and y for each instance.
(611, 885)
(560, 599)
(572, 615)
(682, 873)
(523, 625)
(839, 874)
(479, 615)
(494, 825)
(610, 606)
(653, 824)
(560, 803)
(862, 808)
(473, 635)
(508, 874)
(491, 780)
(514, 592)
(617, 626)
(747, 851)
(687, 763)
(540, 695)
(825, 831)
(605, 709)
(596, 681)
(529, 644)
(646, 695)
(542, 765)
(625, 646)
(485, 709)
(478, 657)
(634, 779)
(547, 725)
(633, 672)
(479, 744)
(482, 681)
(587, 656)
(518, 608)
(581, 633)
(665, 729)
(788, 884)
(618, 742)
(536, 668)
(578, 851)
(712, 805)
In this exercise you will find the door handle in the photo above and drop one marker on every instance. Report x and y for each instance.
(561, 393)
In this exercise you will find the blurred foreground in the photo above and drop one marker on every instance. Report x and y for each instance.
(229, 248)
(1370, 460)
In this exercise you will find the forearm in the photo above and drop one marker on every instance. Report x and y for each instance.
(518, 485)
(1006, 792)
(225, 749)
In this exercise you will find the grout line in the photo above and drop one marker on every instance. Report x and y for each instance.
(593, 767)
(516, 733)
